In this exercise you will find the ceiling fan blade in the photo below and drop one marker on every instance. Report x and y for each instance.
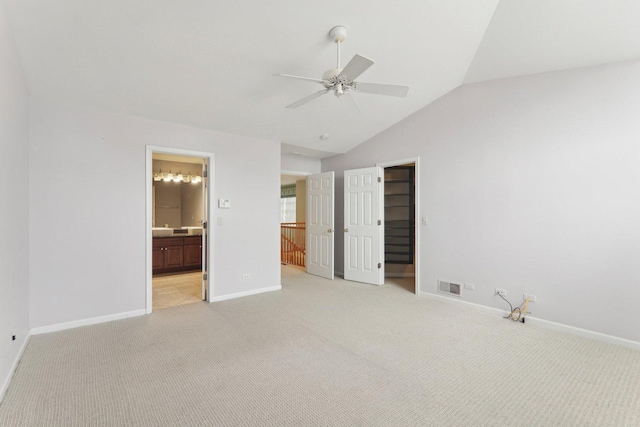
(300, 78)
(355, 67)
(307, 99)
(383, 89)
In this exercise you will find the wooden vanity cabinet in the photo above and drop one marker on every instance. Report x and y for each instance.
(172, 254)
(193, 251)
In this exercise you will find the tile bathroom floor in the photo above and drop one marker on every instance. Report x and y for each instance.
(176, 289)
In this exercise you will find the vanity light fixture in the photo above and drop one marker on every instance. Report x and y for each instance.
(168, 177)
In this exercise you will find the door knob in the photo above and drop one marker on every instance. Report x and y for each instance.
(346, 230)
(329, 231)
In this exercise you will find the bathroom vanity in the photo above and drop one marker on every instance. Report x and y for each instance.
(177, 253)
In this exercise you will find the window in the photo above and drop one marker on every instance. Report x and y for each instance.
(288, 203)
(287, 209)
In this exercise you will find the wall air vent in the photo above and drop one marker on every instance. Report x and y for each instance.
(449, 288)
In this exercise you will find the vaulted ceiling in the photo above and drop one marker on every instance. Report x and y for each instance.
(211, 63)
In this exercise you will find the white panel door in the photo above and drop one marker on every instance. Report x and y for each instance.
(206, 294)
(364, 225)
(320, 225)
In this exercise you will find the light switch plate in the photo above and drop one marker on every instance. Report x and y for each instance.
(224, 203)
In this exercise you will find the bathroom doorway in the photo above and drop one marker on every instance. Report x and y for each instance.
(178, 232)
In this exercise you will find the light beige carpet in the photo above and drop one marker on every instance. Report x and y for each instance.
(322, 353)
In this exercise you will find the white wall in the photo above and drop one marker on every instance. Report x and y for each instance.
(301, 200)
(299, 164)
(530, 184)
(88, 210)
(14, 205)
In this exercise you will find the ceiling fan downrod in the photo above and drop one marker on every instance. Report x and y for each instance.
(338, 34)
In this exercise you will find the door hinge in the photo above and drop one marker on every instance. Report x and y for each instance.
(379, 179)
(205, 173)
(379, 265)
(204, 225)
(379, 222)
(205, 276)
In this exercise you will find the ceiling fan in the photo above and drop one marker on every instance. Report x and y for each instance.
(341, 81)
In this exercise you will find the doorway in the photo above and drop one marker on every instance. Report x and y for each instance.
(178, 235)
(401, 233)
(293, 218)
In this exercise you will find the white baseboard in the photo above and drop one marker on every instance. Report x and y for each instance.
(455, 300)
(245, 293)
(585, 333)
(86, 322)
(7, 381)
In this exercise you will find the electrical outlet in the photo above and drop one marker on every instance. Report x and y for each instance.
(502, 292)
(470, 286)
(246, 276)
(13, 337)
(532, 298)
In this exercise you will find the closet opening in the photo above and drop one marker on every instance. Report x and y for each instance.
(400, 231)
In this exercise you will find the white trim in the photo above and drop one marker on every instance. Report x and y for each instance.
(417, 218)
(246, 293)
(381, 228)
(584, 333)
(16, 361)
(85, 322)
(295, 173)
(456, 300)
(150, 149)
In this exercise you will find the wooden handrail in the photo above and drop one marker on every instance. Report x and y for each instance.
(292, 243)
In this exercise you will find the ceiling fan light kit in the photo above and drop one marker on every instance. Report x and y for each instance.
(341, 81)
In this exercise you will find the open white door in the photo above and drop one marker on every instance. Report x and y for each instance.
(320, 225)
(205, 229)
(364, 225)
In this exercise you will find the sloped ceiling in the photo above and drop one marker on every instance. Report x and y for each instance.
(528, 37)
(211, 64)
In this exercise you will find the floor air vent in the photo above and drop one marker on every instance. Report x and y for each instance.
(449, 288)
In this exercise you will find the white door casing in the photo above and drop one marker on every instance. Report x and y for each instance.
(320, 224)
(208, 251)
(364, 225)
